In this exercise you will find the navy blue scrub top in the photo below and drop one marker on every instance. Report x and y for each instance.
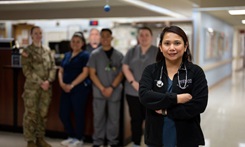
(74, 66)
(169, 130)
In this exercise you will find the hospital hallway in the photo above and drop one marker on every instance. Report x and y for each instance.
(223, 122)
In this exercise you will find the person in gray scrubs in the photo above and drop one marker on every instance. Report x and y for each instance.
(134, 62)
(105, 71)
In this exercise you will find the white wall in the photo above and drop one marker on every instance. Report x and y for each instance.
(219, 67)
(239, 51)
(63, 29)
(60, 29)
(124, 38)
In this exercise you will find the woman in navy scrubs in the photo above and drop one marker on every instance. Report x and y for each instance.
(73, 79)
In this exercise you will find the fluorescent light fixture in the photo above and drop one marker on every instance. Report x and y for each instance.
(210, 30)
(237, 12)
(243, 21)
(155, 8)
(35, 1)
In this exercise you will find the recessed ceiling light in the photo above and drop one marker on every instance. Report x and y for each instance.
(237, 12)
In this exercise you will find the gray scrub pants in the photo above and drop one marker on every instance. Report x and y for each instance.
(106, 121)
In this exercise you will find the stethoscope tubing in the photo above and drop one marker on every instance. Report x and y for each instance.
(160, 82)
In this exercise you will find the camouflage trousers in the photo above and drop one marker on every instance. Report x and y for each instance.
(36, 103)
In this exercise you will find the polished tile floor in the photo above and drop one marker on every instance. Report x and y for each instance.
(223, 122)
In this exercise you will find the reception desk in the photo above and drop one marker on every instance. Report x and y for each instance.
(12, 107)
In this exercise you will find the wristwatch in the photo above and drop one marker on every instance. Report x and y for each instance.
(113, 87)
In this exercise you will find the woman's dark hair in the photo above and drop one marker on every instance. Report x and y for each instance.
(34, 27)
(81, 36)
(177, 30)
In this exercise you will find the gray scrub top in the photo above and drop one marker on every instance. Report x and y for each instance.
(99, 61)
(137, 63)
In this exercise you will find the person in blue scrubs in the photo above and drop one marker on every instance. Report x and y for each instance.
(73, 79)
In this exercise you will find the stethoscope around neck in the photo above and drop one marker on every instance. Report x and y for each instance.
(160, 82)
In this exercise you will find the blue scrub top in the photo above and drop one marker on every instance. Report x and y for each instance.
(74, 67)
(169, 130)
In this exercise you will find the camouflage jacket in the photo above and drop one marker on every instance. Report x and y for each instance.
(38, 65)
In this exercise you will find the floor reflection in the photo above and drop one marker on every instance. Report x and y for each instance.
(223, 122)
(224, 119)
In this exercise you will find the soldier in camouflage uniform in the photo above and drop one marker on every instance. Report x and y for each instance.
(39, 69)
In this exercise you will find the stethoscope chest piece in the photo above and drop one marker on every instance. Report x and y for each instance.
(159, 83)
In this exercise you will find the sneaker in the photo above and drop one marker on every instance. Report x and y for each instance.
(135, 145)
(67, 141)
(76, 143)
(113, 145)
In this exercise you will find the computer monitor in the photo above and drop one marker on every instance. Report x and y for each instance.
(64, 46)
(7, 43)
(60, 47)
(54, 46)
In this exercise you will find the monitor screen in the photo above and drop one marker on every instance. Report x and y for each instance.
(7, 43)
(54, 46)
(60, 47)
(64, 47)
